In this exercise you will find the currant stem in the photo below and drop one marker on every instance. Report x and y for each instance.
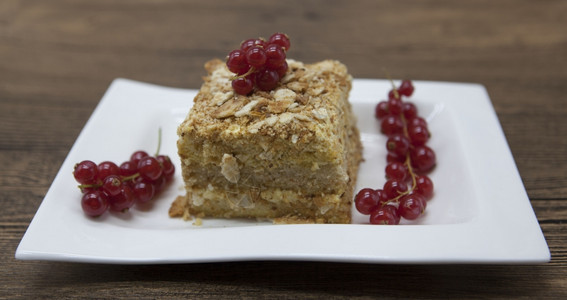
(159, 142)
(250, 71)
(412, 174)
(93, 185)
(394, 89)
(131, 177)
(406, 133)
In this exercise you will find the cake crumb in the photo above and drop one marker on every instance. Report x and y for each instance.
(177, 208)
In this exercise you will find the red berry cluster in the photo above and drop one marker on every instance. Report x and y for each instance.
(258, 63)
(109, 186)
(408, 188)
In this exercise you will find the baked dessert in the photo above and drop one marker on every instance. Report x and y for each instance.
(290, 155)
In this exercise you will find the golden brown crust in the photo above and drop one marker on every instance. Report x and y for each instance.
(302, 99)
(290, 153)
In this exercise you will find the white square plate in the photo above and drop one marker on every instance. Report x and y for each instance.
(480, 212)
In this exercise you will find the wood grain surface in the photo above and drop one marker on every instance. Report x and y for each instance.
(57, 58)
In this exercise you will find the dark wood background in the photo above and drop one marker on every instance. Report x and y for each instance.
(57, 58)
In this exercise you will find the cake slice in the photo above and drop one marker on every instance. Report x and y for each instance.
(290, 155)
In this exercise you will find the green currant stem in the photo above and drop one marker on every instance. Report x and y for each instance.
(94, 185)
(412, 174)
(396, 94)
(250, 71)
(97, 185)
(159, 142)
(131, 177)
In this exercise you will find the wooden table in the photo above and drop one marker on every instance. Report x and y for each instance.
(57, 58)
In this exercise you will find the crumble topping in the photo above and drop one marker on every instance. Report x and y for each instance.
(296, 106)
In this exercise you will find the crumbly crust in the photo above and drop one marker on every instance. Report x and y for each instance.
(292, 153)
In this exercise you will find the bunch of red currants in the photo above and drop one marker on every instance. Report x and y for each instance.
(408, 188)
(107, 186)
(259, 63)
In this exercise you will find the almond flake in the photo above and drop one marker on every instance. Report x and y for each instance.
(246, 109)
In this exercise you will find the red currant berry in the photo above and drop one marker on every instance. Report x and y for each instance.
(392, 95)
(236, 62)
(107, 168)
(411, 206)
(136, 156)
(249, 43)
(409, 110)
(124, 200)
(243, 85)
(261, 42)
(281, 40)
(398, 171)
(417, 121)
(381, 110)
(386, 215)
(149, 168)
(422, 158)
(85, 172)
(112, 185)
(424, 186)
(275, 56)
(94, 203)
(392, 125)
(143, 191)
(256, 57)
(398, 144)
(382, 197)
(393, 188)
(406, 88)
(366, 200)
(419, 135)
(267, 80)
(392, 157)
(166, 165)
(395, 106)
(281, 70)
(159, 184)
(128, 168)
